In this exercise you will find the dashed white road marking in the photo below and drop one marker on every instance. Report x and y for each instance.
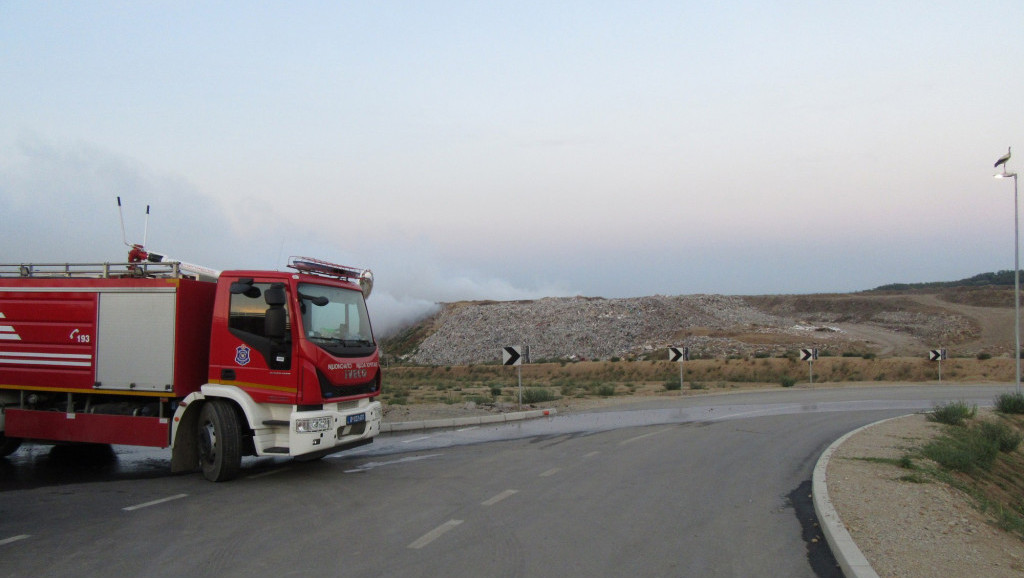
(469, 428)
(370, 465)
(591, 454)
(154, 502)
(644, 436)
(13, 539)
(416, 439)
(550, 472)
(434, 534)
(499, 497)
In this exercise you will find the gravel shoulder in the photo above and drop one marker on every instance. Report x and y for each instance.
(913, 529)
(903, 529)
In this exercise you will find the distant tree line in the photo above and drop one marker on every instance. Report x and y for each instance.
(998, 278)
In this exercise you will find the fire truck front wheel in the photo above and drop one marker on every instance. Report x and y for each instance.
(219, 441)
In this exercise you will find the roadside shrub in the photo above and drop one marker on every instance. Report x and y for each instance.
(1000, 434)
(953, 413)
(964, 451)
(537, 395)
(787, 381)
(495, 391)
(673, 385)
(1010, 403)
(983, 356)
(606, 390)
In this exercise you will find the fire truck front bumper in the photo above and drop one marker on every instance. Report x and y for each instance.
(336, 427)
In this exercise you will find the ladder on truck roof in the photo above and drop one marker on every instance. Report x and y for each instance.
(166, 269)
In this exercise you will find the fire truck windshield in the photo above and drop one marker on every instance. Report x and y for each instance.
(336, 320)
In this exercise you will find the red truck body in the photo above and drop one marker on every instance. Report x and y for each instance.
(132, 356)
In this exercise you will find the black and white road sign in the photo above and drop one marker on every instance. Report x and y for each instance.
(809, 354)
(937, 355)
(511, 356)
(678, 353)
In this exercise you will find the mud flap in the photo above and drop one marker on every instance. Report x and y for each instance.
(184, 449)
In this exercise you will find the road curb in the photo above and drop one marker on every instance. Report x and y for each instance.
(849, 556)
(400, 426)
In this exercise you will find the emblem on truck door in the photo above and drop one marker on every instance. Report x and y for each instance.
(242, 355)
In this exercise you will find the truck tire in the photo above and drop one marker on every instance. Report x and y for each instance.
(8, 445)
(219, 441)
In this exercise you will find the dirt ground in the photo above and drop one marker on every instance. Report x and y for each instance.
(904, 529)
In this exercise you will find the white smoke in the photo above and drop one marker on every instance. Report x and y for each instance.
(59, 204)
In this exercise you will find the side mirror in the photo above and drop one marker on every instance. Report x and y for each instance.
(319, 300)
(245, 287)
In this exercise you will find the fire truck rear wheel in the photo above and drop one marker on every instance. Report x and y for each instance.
(220, 441)
(8, 445)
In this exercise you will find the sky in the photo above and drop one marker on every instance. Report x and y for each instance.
(518, 150)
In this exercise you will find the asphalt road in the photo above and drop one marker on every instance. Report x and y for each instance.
(710, 486)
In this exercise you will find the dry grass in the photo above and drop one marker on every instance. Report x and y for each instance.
(458, 383)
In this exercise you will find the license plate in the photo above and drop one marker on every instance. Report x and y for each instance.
(357, 418)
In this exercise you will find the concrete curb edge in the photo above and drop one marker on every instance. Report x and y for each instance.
(849, 556)
(400, 426)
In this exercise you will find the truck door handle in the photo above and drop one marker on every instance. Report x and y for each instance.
(227, 374)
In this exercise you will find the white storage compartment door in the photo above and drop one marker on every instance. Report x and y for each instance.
(136, 341)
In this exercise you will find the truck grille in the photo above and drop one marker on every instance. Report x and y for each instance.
(329, 390)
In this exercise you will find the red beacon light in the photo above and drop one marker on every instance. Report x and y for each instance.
(327, 269)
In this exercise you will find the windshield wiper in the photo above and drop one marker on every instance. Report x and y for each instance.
(344, 342)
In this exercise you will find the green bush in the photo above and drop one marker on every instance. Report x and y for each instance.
(1010, 403)
(673, 385)
(787, 381)
(537, 395)
(983, 356)
(495, 391)
(953, 413)
(1000, 434)
(964, 451)
(606, 390)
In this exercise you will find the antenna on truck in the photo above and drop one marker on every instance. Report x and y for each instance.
(145, 228)
(139, 254)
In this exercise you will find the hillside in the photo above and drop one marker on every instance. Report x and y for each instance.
(966, 320)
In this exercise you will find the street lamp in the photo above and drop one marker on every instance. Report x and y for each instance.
(1016, 261)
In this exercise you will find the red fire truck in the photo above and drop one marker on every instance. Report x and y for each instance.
(215, 365)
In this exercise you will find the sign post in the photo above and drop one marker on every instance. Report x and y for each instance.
(809, 355)
(679, 354)
(937, 355)
(512, 356)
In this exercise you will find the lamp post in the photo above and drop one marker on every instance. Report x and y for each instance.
(1016, 263)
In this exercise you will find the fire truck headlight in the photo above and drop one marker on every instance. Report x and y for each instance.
(312, 424)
